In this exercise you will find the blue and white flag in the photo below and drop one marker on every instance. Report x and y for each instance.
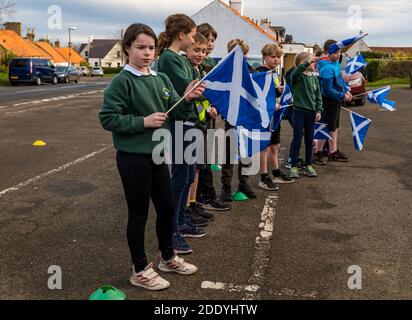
(254, 138)
(286, 100)
(355, 64)
(252, 141)
(265, 89)
(321, 132)
(347, 42)
(230, 89)
(378, 96)
(360, 126)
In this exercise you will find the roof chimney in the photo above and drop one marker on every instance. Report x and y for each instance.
(237, 5)
(30, 35)
(13, 26)
(265, 22)
(57, 43)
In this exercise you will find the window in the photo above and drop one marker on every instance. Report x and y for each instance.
(96, 64)
(118, 65)
(40, 63)
(109, 64)
(20, 63)
(118, 54)
(86, 53)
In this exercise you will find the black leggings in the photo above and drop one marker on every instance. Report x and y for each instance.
(143, 180)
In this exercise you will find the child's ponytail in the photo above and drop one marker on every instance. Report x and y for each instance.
(175, 24)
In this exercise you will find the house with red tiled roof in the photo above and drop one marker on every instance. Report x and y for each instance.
(55, 56)
(70, 55)
(230, 23)
(12, 43)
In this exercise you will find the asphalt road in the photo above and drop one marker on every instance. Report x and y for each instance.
(58, 207)
(17, 94)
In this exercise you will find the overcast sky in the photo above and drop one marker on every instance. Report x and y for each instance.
(387, 22)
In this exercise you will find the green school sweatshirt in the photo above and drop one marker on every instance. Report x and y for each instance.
(129, 99)
(180, 72)
(306, 90)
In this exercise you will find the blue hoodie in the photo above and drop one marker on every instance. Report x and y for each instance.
(332, 84)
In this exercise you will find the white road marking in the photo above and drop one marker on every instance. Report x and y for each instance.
(228, 287)
(21, 104)
(36, 90)
(263, 245)
(51, 99)
(261, 256)
(43, 175)
(285, 292)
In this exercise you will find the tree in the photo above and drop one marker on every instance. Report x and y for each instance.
(7, 8)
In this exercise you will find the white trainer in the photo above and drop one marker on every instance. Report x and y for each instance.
(149, 279)
(178, 265)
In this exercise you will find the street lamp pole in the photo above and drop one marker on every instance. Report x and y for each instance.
(70, 45)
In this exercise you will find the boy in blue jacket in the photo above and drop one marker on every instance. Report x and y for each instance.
(335, 92)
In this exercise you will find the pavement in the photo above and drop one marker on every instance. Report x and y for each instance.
(63, 204)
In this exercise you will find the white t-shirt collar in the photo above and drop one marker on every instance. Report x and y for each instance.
(138, 73)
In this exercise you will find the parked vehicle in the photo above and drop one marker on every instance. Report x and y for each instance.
(357, 87)
(31, 70)
(67, 74)
(356, 82)
(97, 71)
(84, 71)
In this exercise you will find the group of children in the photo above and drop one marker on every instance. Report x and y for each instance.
(138, 101)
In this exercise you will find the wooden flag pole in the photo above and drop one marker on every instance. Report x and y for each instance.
(199, 82)
(185, 95)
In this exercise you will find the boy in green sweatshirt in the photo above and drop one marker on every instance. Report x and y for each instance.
(307, 109)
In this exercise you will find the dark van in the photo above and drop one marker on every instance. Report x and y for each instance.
(31, 70)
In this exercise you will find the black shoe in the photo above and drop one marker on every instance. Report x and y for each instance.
(195, 219)
(338, 157)
(302, 164)
(266, 183)
(248, 191)
(280, 177)
(320, 158)
(226, 194)
(201, 212)
(216, 205)
(342, 157)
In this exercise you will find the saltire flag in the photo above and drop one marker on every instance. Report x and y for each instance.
(254, 138)
(378, 96)
(286, 100)
(265, 89)
(252, 141)
(360, 126)
(321, 132)
(355, 64)
(347, 42)
(230, 89)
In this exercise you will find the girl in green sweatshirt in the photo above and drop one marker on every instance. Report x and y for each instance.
(307, 109)
(178, 36)
(134, 106)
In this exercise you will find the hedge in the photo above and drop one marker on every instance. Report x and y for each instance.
(109, 70)
(380, 69)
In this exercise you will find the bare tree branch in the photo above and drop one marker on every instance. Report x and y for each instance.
(7, 8)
